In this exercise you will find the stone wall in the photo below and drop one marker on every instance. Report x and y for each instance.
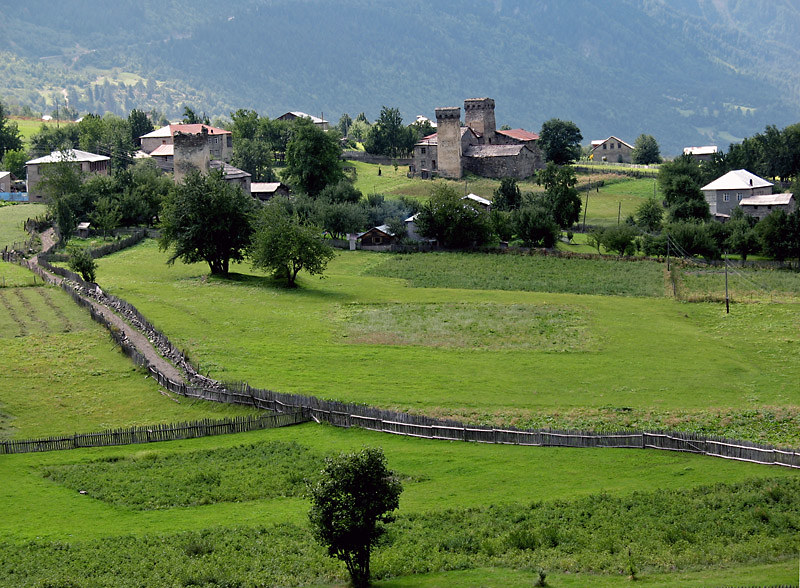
(519, 166)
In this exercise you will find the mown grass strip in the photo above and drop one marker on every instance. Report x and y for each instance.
(536, 273)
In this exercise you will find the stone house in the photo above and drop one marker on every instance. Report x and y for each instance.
(320, 122)
(726, 192)
(477, 147)
(760, 206)
(192, 152)
(220, 141)
(87, 162)
(612, 150)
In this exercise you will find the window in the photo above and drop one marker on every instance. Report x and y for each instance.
(738, 196)
(605, 146)
(422, 150)
(433, 164)
(726, 197)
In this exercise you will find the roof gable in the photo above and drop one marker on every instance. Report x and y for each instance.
(738, 179)
(75, 155)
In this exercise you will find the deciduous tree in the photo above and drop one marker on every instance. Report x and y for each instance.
(206, 219)
(10, 138)
(284, 245)
(561, 196)
(646, 150)
(312, 158)
(453, 222)
(560, 141)
(352, 500)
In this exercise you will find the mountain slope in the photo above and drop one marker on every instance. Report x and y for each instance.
(686, 71)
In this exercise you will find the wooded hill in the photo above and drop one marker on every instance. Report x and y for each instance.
(686, 71)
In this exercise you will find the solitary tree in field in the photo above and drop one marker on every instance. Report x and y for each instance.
(354, 495)
(206, 219)
(81, 262)
(284, 245)
(645, 150)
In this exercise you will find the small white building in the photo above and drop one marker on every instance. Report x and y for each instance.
(703, 153)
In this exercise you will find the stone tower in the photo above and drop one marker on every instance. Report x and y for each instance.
(190, 152)
(479, 116)
(448, 139)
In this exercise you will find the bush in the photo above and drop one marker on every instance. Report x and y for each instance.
(81, 262)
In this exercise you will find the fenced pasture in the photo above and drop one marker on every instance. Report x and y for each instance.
(62, 374)
(465, 505)
(640, 371)
(14, 276)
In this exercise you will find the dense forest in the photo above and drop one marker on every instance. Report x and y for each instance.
(688, 72)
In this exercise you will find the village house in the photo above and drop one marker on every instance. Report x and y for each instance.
(319, 122)
(704, 153)
(220, 142)
(477, 147)
(760, 206)
(90, 163)
(377, 237)
(613, 150)
(726, 192)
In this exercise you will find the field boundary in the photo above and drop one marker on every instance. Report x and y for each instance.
(156, 433)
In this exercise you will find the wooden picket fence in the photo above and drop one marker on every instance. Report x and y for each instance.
(157, 433)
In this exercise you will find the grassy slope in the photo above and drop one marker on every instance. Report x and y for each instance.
(648, 361)
(12, 218)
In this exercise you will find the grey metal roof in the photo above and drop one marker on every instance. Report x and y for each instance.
(69, 155)
(738, 179)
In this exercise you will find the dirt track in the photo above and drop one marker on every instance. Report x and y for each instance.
(135, 337)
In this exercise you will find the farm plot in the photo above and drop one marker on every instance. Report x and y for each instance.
(635, 362)
(465, 506)
(744, 284)
(12, 218)
(62, 374)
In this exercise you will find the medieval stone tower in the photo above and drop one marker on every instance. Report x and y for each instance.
(479, 116)
(448, 130)
(191, 152)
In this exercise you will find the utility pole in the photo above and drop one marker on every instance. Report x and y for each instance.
(727, 304)
(619, 212)
(585, 208)
(668, 252)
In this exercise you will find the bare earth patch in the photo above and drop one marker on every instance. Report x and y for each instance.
(465, 325)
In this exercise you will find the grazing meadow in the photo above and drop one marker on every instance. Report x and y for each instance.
(494, 339)
(596, 361)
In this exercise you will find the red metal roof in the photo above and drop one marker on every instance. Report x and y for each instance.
(195, 129)
(520, 135)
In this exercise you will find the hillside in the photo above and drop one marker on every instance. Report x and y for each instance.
(688, 72)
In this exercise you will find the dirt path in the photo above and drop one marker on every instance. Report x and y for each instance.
(134, 336)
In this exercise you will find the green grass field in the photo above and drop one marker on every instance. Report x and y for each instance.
(165, 511)
(648, 362)
(29, 127)
(12, 219)
(485, 338)
(603, 207)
